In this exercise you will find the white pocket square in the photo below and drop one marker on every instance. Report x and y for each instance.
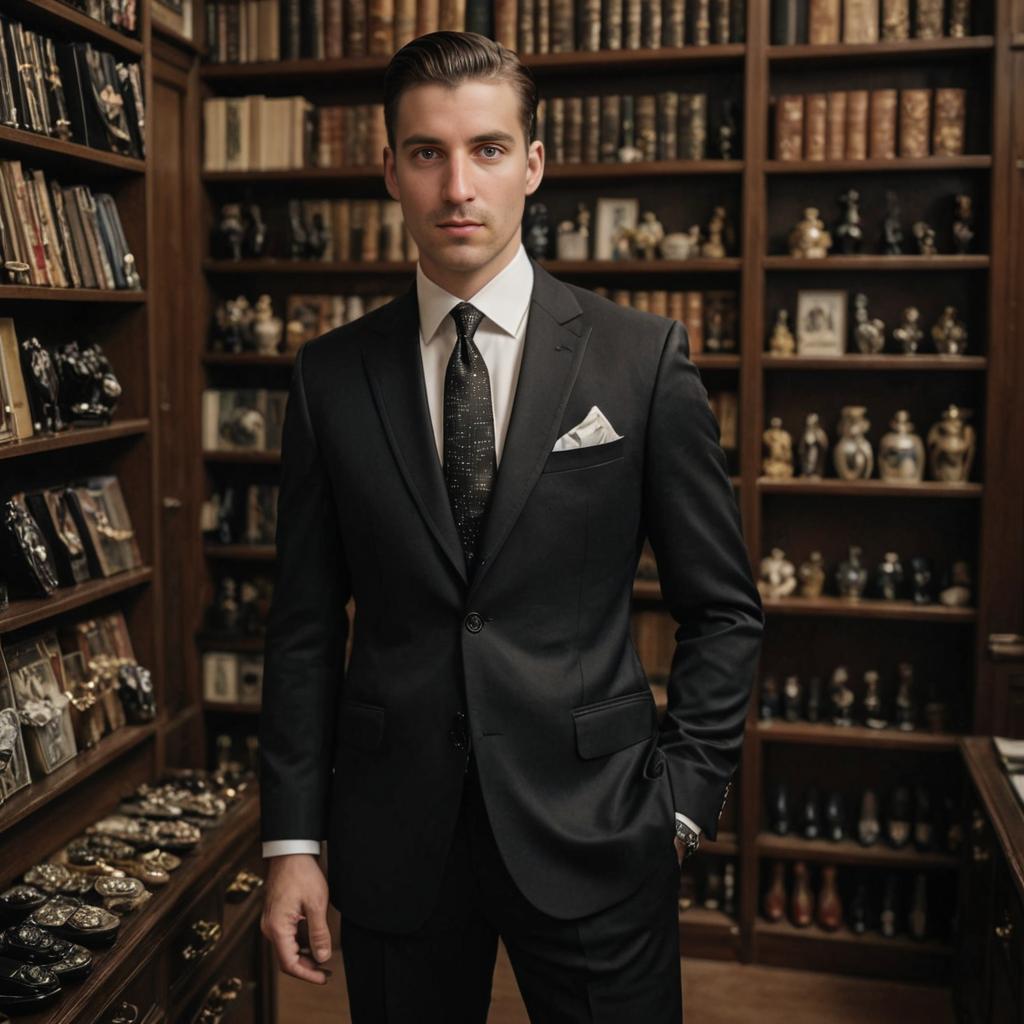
(593, 429)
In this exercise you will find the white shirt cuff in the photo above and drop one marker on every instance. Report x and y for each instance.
(684, 819)
(281, 847)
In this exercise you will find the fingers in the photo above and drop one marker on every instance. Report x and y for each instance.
(293, 959)
(319, 934)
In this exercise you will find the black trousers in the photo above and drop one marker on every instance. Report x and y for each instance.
(617, 966)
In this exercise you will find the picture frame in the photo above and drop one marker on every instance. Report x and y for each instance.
(821, 322)
(613, 213)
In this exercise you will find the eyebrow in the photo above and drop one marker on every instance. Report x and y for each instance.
(429, 140)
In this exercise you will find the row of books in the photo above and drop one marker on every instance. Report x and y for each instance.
(64, 237)
(231, 678)
(859, 124)
(823, 22)
(269, 30)
(120, 14)
(243, 419)
(70, 91)
(241, 514)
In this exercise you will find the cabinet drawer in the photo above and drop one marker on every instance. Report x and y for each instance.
(234, 995)
(135, 1002)
(196, 937)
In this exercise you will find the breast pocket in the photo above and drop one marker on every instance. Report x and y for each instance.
(585, 458)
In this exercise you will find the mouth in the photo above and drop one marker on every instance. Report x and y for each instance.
(460, 227)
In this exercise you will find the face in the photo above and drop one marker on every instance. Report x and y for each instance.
(461, 156)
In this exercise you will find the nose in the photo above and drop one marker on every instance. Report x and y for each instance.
(458, 186)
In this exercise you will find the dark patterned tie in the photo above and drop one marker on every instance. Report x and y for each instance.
(469, 458)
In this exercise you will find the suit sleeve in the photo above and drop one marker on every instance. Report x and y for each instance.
(307, 628)
(692, 519)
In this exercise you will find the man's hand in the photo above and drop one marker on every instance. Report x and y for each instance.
(296, 903)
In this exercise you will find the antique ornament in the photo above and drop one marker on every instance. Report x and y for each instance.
(813, 448)
(812, 575)
(892, 227)
(868, 333)
(909, 333)
(852, 576)
(778, 451)
(852, 455)
(849, 232)
(949, 335)
(782, 342)
(951, 446)
(963, 223)
(901, 451)
(925, 236)
(841, 697)
(778, 577)
(889, 577)
(810, 240)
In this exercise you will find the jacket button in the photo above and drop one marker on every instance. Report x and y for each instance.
(474, 622)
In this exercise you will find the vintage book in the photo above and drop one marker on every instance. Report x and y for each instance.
(694, 321)
(526, 27)
(428, 16)
(452, 15)
(915, 121)
(835, 130)
(857, 124)
(562, 35)
(948, 131)
(882, 143)
(815, 121)
(611, 121)
(693, 126)
(591, 129)
(391, 228)
(556, 129)
(380, 27)
(370, 250)
(860, 21)
(479, 17)
(612, 31)
(668, 119)
(823, 22)
(645, 113)
(895, 20)
(83, 254)
(90, 224)
(70, 254)
(721, 21)
(786, 22)
(355, 19)
(505, 23)
(632, 20)
(700, 33)
(542, 26)
(573, 129)
(789, 127)
(650, 24)
(928, 19)
(673, 23)
(16, 412)
(677, 305)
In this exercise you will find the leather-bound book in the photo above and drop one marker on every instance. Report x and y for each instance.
(349, 118)
(860, 21)
(650, 24)
(641, 300)
(452, 15)
(895, 20)
(701, 35)
(563, 35)
(541, 26)
(647, 126)
(333, 22)
(789, 127)
(380, 27)
(693, 126)
(659, 301)
(835, 131)
(556, 129)
(721, 29)
(428, 16)
(611, 26)
(677, 305)
(540, 121)
(632, 19)
(526, 28)
(504, 23)
(823, 22)
(591, 129)
(668, 118)
(378, 137)
(573, 129)
(915, 119)
(882, 145)
(738, 33)
(694, 321)
(590, 26)
(928, 19)
(371, 231)
(948, 131)
(479, 17)
(857, 124)
(611, 127)
(354, 17)
(341, 228)
(673, 23)
(786, 22)
(815, 122)
(405, 22)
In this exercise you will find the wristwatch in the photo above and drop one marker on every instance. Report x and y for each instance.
(690, 839)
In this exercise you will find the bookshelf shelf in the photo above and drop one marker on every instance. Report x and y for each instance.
(243, 457)
(889, 738)
(75, 437)
(240, 552)
(56, 16)
(849, 851)
(870, 364)
(881, 52)
(869, 488)
(868, 609)
(41, 149)
(37, 293)
(976, 162)
(880, 263)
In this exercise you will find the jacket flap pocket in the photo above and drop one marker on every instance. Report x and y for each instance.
(613, 724)
(361, 725)
(590, 455)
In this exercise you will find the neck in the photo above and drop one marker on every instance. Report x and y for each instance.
(465, 284)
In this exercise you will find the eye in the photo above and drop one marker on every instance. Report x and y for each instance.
(420, 152)
(497, 149)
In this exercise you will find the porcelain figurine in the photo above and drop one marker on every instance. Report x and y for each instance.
(909, 334)
(535, 239)
(925, 236)
(792, 698)
(812, 575)
(572, 241)
(228, 236)
(714, 247)
(957, 593)
(678, 245)
(906, 706)
(949, 334)
(951, 446)
(809, 240)
(889, 577)
(782, 342)
(132, 280)
(921, 580)
(841, 697)
(963, 223)
(872, 702)
(778, 577)
(849, 232)
(267, 329)
(813, 448)
(892, 229)
(648, 235)
(254, 242)
(868, 332)
(851, 576)
(901, 451)
(852, 454)
(778, 450)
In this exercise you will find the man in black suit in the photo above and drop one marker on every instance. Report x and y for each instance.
(477, 463)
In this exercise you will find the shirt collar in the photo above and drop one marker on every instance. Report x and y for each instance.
(503, 300)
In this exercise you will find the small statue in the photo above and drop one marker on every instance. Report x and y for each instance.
(813, 448)
(841, 696)
(892, 227)
(43, 385)
(949, 334)
(852, 455)
(889, 577)
(770, 701)
(909, 334)
(132, 281)
(873, 702)
(851, 576)
(227, 241)
(869, 334)
(647, 235)
(901, 451)
(267, 329)
(782, 342)
(951, 446)
(714, 247)
(573, 239)
(792, 698)
(906, 708)
(925, 235)
(536, 240)
(727, 128)
(921, 576)
(812, 575)
(318, 237)
(778, 577)
(963, 223)
(849, 232)
(255, 233)
(778, 447)
(957, 593)
(622, 243)
(298, 234)
(222, 616)
(679, 245)
(809, 240)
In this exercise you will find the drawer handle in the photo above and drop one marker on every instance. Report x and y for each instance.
(217, 1002)
(207, 935)
(242, 885)
(126, 1013)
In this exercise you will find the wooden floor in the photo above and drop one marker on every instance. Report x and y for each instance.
(714, 993)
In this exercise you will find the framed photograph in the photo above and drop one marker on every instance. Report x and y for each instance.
(821, 323)
(612, 216)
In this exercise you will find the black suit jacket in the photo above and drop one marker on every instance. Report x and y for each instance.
(580, 783)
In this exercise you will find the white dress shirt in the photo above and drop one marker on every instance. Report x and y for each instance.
(505, 303)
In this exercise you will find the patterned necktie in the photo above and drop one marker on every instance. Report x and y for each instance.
(470, 463)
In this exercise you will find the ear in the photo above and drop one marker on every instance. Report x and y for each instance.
(534, 166)
(390, 173)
